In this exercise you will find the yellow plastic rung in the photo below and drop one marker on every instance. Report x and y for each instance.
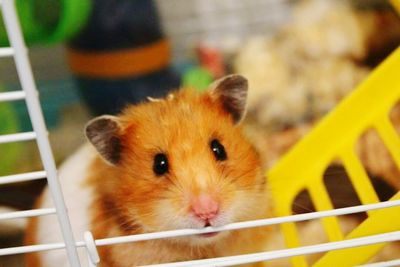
(359, 178)
(390, 138)
(321, 201)
(291, 239)
(396, 5)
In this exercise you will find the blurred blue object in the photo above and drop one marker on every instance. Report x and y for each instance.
(121, 56)
(105, 96)
(54, 96)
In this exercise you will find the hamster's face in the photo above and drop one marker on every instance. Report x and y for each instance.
(184, 164)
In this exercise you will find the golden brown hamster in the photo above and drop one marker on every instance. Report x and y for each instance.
(178, 162)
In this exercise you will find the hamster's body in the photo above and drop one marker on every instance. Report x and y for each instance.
(168, 164)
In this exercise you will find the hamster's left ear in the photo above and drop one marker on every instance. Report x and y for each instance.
(104, 134)
(231, 91)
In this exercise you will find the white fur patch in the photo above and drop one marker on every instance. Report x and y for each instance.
(78, 198)
(170, 97)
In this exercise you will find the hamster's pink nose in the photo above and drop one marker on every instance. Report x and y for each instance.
(205, 207)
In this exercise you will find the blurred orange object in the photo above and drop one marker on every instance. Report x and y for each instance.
(211, 59)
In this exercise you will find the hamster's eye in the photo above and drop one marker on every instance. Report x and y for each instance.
(218, 150)
(160, 165)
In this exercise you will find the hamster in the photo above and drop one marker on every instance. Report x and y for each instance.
(173, 163)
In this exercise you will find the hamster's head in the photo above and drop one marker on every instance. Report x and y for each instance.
(182, 161)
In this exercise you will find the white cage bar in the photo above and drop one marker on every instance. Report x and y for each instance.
(285, 253)
(11, 96)
(6, 52)
(383, 264)
(26, 213)
(9, 138)
(29, 176)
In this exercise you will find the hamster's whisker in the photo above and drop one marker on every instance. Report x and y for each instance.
(177, 185)
(247, 188)
(166, 223)
(237, 177)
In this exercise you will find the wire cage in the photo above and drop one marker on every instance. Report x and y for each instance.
(300, 169)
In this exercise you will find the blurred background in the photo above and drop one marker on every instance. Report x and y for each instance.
(92, 57)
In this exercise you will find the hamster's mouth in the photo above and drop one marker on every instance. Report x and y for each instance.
(208, 235)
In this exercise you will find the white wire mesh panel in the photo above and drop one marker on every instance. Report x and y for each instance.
(18, 50)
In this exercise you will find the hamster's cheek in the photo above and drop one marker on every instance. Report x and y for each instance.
(247, 205)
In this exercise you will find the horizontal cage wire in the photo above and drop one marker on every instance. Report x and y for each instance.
(11, 96)
(382, 264)
(328, 214)
(23, 177)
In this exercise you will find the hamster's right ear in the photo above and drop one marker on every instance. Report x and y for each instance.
(104, 134)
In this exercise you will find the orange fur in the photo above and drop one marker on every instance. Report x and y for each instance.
(131, 199)
(31, 259)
